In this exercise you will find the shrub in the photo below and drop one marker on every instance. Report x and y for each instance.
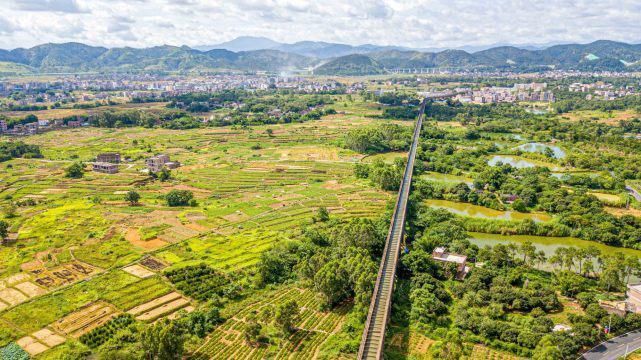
(179, 197)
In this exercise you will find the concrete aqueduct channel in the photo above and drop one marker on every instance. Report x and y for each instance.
(374, 334)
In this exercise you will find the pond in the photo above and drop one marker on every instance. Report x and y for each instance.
(549, 244)
(476, 211)
(519, 162)
(535, 147)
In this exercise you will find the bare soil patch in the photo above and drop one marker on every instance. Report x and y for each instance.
(152, 263)
(63, 274)
(12, 296)
(334, 185)
(236, 217)
(154, 303)
(166, 305)
(30, 289)
(166, 309)
(623, 211)
(133, 236)
(48, 337)
(138, 271)
(32, 346)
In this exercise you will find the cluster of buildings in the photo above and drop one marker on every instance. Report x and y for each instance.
(518, 92)
(76, 88)
(39, 126)
(108, 163)
(601, 90)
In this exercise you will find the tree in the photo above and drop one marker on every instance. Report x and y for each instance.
(132, 197)
(547, 350)
(519, 205)
(179, 197)
(269, 132)
(165, 174)
(610, 278)
(322, 215)
(252, 330)
(451, 348)
(529, 252)
(425, 305)
(4, 229)
(163, 341)
(75, 171)
(332, 280)
(287, 315)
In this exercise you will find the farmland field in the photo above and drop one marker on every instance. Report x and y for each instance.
(83, 250)
(312, 329)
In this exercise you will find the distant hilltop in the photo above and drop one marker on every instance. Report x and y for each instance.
(262, 54)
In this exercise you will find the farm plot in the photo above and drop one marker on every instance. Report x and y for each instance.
(158, 225)
(409, 343)
(161, 307)
(228, 253)
(312, 329)
(40, 341)
(62, 275)
(137, 293)
(152, 263)
(200, 282)
(86, 319)
(102, 334)
(18, 292)
(480, 352)
(138, 271)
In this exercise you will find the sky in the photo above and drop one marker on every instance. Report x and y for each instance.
(417, 24)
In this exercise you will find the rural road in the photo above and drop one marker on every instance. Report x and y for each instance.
(615, 348)
(633, 192)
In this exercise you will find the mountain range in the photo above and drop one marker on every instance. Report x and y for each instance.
(262, 54)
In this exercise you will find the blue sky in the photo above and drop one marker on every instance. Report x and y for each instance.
(422, 24)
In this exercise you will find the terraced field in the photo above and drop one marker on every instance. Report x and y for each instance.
(312, 329)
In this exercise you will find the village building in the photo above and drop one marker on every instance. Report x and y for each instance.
(104, 167)
(3, 126)
(634, 298)
(440, 255)
(31, 128)
(158, 162)
(631, 304)
(110, 157)
(74, 123)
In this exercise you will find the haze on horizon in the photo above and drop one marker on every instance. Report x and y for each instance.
(416, 24)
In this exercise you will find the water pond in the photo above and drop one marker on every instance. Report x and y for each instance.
(519, 162)
(549, 245)
(535, 147)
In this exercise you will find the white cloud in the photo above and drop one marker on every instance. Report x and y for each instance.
(413, 23)
(65, 6)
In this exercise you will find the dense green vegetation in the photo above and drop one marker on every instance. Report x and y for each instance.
(506, 302)
(102, 334)
(13, 352)
(201, 282)
(377, 139)
(16, 149)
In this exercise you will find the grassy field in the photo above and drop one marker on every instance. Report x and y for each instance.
(249, 198)
(606, 117)
(52, 114)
